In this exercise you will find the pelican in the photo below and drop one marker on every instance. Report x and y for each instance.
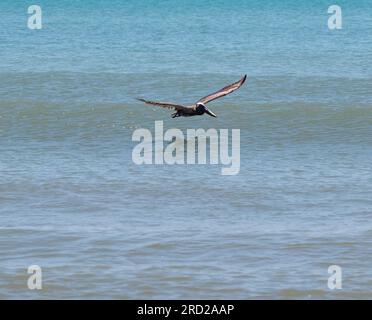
(198, 108)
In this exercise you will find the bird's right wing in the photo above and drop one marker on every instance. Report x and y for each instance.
(164, 104)
(224, 91)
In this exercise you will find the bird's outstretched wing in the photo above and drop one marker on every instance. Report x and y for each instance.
(163, 104)
(224, 91)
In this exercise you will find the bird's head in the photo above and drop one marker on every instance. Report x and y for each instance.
(201, 109)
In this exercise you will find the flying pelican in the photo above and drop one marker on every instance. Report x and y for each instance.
(199, 107)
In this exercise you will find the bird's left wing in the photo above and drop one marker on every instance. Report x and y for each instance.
(163, 104)
(224, 91)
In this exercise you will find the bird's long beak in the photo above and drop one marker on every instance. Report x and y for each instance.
(210, 113)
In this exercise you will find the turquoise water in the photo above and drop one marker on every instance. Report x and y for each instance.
(73, 202)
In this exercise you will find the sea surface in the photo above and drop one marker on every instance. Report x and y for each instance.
(100, 227)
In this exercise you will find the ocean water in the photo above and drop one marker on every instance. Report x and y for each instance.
(73, 202)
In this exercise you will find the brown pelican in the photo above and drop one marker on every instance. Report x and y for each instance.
(199, 107)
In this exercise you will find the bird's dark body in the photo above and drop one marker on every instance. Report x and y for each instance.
(198, 110)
